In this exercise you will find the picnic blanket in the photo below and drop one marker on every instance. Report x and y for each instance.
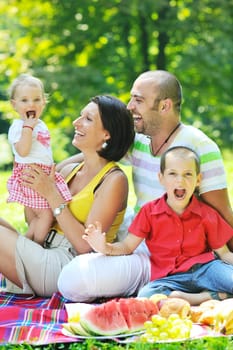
(39, 321)
(35, 321)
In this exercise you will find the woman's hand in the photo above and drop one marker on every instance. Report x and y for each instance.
(96, 239)
(35, 178)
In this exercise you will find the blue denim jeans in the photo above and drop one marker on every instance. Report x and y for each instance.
(216, 276)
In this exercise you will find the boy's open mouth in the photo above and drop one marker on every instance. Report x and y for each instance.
(179, 193)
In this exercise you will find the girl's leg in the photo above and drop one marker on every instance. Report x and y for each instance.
(40, 222)
(29, 217)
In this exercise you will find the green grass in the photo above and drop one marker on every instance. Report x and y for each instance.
(221, 343)
(11, 212)
(14, 214)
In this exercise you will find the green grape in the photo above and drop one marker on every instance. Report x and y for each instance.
(158, 320)
(148, 324)
(161, 328)
(155, 331)
(163, 335)
(144, 338)
(173, 317)
(185, 332)
(174, 331)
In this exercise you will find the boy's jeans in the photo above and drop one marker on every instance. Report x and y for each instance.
(215, 276)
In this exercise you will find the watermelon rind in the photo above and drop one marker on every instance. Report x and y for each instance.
(78, 329)
(67, 327)
(93, 330)
(75, 328)
(96, 332)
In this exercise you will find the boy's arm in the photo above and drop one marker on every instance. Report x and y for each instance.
(94, 236)
(225, 254)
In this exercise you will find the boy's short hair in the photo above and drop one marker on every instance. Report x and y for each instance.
(184, 152)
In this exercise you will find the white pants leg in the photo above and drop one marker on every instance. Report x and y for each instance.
(89, 276)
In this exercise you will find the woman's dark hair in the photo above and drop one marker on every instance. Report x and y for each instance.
(118, 121)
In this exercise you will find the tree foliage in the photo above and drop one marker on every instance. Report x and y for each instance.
(80, 48)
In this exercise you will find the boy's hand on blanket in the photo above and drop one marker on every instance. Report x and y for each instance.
(94, 236)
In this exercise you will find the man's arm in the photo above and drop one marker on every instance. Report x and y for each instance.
(224, 254)
(219, 200)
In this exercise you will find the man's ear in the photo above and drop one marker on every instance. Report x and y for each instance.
(166, 105)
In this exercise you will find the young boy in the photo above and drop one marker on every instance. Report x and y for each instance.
(186, 238)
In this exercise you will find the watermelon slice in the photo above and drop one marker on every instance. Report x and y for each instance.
(137, 311)
(118, 316)
(104, 319)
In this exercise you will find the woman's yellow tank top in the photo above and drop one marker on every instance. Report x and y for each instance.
(81, 202)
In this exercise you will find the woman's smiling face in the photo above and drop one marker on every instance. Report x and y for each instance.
(89, 130)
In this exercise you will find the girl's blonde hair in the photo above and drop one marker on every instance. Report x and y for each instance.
(28, 79)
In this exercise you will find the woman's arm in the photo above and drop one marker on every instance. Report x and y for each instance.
(45, 185)
(6, 224)
(94, 236)
(110, 198)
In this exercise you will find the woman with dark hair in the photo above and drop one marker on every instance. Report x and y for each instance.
(99, 188)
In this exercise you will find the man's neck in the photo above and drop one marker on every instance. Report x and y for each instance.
(161, 141)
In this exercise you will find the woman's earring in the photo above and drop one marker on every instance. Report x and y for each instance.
(104, 145)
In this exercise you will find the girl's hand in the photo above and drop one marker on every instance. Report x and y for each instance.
(30, 120)
(35, 178)
(94, 236)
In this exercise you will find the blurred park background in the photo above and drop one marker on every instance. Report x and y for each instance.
(80, 48)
